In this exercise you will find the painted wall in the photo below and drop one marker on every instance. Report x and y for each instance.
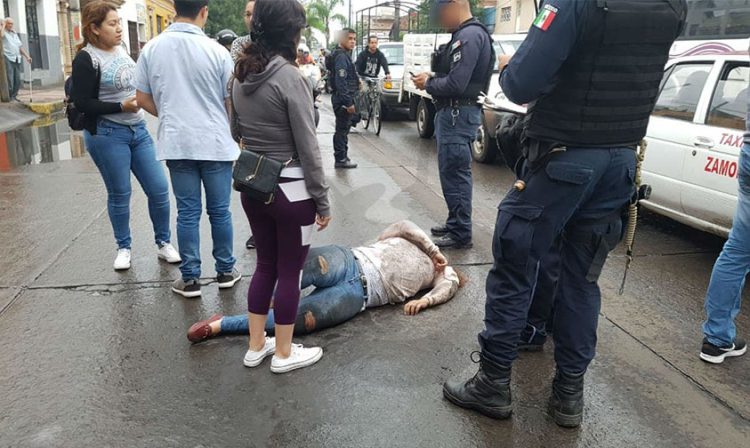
(522, 14)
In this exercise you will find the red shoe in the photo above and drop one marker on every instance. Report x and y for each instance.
(200, 331)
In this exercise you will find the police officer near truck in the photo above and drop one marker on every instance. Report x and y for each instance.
(345, 86)
(590, 72)
(462, 70)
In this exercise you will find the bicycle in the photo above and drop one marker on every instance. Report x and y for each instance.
(371, 110)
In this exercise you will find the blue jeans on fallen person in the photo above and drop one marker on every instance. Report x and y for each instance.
(188, 176)
(724, 294)
(117, 150)
(337, 298)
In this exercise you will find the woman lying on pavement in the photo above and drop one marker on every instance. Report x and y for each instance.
(403, 262)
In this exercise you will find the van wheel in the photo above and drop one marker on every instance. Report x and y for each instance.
(425, 119)
(413, 106)
(484, 149)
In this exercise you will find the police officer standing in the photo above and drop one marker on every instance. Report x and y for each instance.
(590, 72)
(463, 68)
(345, 85)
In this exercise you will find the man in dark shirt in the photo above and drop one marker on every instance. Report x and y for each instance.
(590, 72)
(345, 87)
(462, 70)
(371, 60)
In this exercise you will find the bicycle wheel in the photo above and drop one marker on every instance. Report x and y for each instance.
(365, 111)
(377, 115)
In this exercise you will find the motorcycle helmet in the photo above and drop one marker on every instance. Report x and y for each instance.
(226, 37)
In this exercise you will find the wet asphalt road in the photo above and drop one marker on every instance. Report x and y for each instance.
(90, 357)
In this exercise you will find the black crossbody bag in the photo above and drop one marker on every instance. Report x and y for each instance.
(255, 174)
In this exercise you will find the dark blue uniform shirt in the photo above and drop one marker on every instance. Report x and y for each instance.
(470, 50)
(345, 79)
(533, 70)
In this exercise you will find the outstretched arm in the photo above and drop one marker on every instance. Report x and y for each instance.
(444, 287)
(412, 233)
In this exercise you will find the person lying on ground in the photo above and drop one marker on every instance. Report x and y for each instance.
(403, 262)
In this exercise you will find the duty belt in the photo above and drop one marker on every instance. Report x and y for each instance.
(442, 103)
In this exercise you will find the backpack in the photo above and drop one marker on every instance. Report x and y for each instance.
(76, 118)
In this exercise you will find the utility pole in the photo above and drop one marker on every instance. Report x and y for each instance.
(4, 92)
(350, 15)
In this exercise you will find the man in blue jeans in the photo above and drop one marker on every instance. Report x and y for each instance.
(182, 78)
(724, 294)
(347, 281)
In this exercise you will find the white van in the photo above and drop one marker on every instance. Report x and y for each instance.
(694, 140)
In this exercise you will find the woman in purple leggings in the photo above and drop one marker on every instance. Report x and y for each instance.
(275, 116)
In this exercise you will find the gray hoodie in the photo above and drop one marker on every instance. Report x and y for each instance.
(276, 117)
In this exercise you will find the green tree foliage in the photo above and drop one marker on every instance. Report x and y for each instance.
(320, 15)
(226, 14)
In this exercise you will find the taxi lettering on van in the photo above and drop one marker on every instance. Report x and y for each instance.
(721, 167)
(734, 140)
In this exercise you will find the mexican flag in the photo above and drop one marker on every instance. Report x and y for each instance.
(545, 17)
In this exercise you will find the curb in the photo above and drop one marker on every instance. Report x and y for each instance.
(45, 108)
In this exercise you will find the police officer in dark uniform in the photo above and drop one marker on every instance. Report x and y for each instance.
(345, 85)
(463, 68)
(590, 72)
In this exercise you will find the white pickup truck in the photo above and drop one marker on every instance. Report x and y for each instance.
(418, 49)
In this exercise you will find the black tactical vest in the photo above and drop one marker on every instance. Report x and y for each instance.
(607, 89)
(442, 62)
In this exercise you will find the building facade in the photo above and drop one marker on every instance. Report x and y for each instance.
(159, 15)
(514, 16)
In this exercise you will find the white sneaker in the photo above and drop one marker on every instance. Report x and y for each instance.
(299, 358)
(253, 359)
(168, 253)
(122, 261)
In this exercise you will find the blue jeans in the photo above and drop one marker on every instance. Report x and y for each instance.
(724, 294)
(455, 135)
(577, 198)
(117, 150)
(216, 178)
(338, 294)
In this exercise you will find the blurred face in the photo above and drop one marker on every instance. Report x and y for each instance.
(349, 42)
(9, 24)
(372, 45)
(110, 31)
(449, 15)
(249, 8)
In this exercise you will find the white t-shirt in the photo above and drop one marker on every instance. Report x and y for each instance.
(117, 81)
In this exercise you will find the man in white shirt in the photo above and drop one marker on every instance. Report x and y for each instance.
(182, 78)
(12, 52)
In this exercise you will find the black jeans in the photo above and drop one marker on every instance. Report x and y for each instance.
(341, 136)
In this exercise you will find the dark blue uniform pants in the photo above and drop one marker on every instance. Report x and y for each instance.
(576, 196)
(455, 130)
(341, 135)
(542, 302)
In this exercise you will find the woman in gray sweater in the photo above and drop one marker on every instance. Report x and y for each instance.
(275, 116)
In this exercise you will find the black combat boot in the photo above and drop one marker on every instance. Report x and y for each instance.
(488, 392)
(566, 402)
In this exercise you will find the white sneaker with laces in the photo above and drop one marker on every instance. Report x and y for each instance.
(299, 357)
(122, 261)
(253, 359)
(168, 253)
